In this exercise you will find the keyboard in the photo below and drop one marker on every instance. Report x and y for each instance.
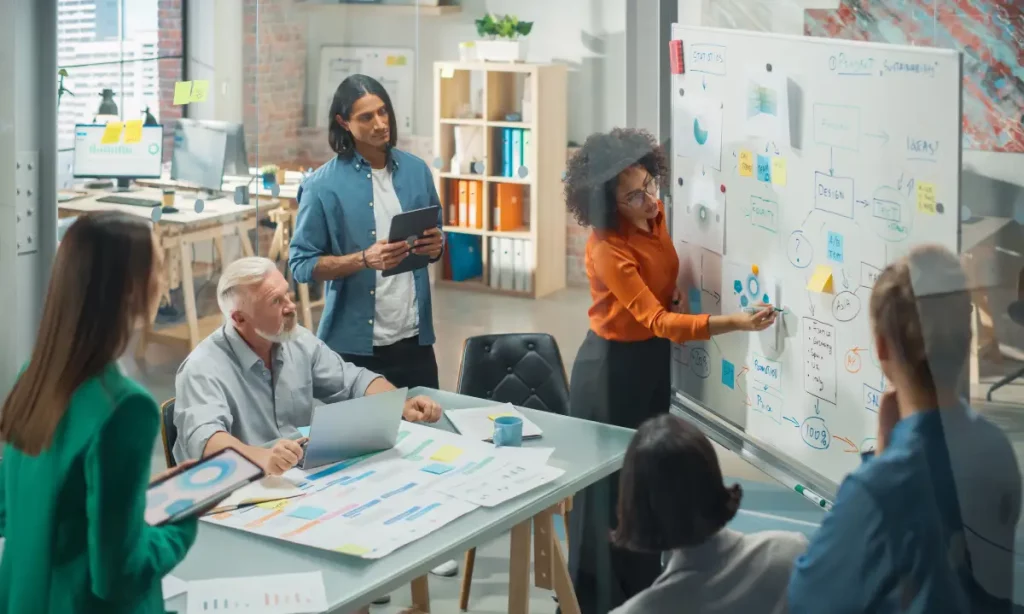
(128, 200)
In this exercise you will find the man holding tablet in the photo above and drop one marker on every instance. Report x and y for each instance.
(253, 381)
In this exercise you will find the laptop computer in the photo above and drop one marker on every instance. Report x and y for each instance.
(353, 428)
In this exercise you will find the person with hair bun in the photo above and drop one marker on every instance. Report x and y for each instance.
(926, 523)
(672, 499)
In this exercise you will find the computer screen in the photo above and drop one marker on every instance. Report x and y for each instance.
(94, 160)
(198, 156)
(236, 163)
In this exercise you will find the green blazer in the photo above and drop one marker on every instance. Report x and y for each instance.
(76, 540)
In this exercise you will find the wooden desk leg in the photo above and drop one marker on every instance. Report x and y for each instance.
(564, 590)
(218, 247)
(421, 594)
(467, 579)
(519, 569)
(543, 540)
(243, 238)
(277, 243)
(189, 289)
(307, 311)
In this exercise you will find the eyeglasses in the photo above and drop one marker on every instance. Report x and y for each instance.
(637, 198)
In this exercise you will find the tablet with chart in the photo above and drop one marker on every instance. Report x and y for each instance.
(801, 168)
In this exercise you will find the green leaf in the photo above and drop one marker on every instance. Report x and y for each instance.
(524, 27)
(486, 26)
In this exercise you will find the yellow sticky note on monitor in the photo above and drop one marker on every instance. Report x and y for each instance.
(926, 197)
(446, 454)
(746, 163)
(111, 134)
(199, 90)
(396, 60)
(133, 131)
(182, 92)
(821, 280)
(353, 549)
(779, 170)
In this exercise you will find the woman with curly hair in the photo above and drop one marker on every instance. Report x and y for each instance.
(622, 371)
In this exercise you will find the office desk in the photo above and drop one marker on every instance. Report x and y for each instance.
(287, 191)
(587, 451)
(176, 233)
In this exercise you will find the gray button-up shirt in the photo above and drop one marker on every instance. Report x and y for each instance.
(224, 386)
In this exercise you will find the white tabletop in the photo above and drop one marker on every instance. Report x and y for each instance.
(218, 209)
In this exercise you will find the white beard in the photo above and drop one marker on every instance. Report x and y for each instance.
(282, 335)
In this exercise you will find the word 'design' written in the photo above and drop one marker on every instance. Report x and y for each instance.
(819, 341)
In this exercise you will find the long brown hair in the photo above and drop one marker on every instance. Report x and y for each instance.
(100, 285)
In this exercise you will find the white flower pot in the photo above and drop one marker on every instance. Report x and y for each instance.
(501, 50)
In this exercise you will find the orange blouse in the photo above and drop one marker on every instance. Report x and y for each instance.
(632, 275)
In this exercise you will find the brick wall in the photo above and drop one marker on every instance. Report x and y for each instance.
(274, 66)
(169, 21)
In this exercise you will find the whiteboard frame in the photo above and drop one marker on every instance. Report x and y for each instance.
(326, 88)
(772, 460)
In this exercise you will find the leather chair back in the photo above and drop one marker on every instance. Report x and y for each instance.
(168, 432)
(524, 369)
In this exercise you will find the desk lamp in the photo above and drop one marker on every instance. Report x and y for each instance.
(108, 108)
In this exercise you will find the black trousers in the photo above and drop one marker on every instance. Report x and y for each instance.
(405, 363)
(620, 383)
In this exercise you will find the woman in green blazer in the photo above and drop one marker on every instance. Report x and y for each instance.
(79, 437)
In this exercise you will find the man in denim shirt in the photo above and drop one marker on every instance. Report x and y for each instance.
(928, 524)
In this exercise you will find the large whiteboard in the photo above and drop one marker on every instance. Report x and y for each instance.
(392, 66)
(790, 154)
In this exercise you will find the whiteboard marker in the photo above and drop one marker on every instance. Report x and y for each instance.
(810, 496)
(753, 310)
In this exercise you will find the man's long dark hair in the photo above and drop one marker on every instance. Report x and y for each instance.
(352, 89)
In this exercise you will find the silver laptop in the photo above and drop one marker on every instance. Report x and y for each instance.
(353, 428)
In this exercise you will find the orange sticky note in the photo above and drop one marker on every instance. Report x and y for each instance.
(133, 131)
(182, 92)
(199, 89)
(111, 134)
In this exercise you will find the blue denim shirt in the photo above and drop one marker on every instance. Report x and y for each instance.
(926, 527)
(335, 219)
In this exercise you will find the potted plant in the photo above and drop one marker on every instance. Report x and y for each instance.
(502, 36)
(269, 172)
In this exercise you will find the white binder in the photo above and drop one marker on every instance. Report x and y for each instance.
(507, 265)
(520, 272)
(494, 263)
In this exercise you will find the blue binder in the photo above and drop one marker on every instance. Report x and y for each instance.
(506, 148)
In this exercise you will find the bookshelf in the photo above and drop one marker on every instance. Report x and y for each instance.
(529, 187)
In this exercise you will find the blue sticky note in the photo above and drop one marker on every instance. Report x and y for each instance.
(728, 374)
(764, 169)
(438, 468)
(835, 247)
(304, 431)
(307, 513)
(694, 299)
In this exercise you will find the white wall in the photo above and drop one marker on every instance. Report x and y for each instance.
(588, 35)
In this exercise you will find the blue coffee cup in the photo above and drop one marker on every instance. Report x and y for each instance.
(508, 431)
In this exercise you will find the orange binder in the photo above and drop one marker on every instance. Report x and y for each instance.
(508, 206)
(463, 203)
(476, 205)
(452, 200)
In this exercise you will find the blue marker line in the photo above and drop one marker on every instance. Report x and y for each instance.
(362, 508)
(423, 511)
(403, 515)
(398, 491)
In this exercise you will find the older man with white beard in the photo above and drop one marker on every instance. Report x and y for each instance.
(253, 380)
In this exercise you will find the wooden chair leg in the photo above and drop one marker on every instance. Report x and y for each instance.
(467, 579)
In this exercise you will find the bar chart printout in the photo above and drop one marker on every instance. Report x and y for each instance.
(301, 593)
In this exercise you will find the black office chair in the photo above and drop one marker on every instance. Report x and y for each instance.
(1016, 313)
(523, 369)
(168, 432)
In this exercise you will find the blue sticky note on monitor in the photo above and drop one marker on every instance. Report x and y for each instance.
(728, 374)
(694, 298)
(764, 169)
(304, 431)
(835, 247)
(438, 468)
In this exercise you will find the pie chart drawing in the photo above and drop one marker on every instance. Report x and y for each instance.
(701, 136)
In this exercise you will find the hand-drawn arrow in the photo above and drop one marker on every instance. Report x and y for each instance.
(810, 302)
(831, 166)
(910, 187)
(702, 171)
(775, 147)
(704, 82)
(742, 371)
(817, 409)
(846, 282)
(883, 135)
(863, 203)
(853, 446)
(793, 420)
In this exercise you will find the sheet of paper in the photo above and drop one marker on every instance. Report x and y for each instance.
(745, 287)
(111, 134)
(297, 593)
(270, 488)
(767, 113)
(133, 131)
(172, 586)
(699, 130)
(477, 422)
(539, 456)
(182, 92)
(502, 483)
(702, 221)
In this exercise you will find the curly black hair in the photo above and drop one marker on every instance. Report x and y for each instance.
(592, 173)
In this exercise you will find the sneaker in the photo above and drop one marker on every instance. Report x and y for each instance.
(446, 569)
(386, 599)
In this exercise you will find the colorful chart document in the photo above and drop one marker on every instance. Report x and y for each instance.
(298, 593)
(501, 483)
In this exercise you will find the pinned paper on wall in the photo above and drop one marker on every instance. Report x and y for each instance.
(702, 219)
(746, 165)
(111, 134)
(926, 197)
(821, 280)
(764, 169)
(182, 92)
(767, 113)
(744, 287)
(779, 171)
(133, 131)
(699, 130)
(200, 87)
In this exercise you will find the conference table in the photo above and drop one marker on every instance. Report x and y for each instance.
(587, 451)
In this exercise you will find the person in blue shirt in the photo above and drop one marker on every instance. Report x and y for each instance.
(926, 523)
(383, 324)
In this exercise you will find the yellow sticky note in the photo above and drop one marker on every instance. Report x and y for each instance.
(199, 89)
(133, 131)
(111, 134)
(926, 197)
(446, 454)
(353, 549)
(494, 417)
(273, 505)
(746, 163)
(779, 170)
(447, 72)
(821, 280)
(182, 92)
(396, 60)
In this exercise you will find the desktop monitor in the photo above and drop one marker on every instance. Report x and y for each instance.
(236, 163)
(121, 161)
(198, 157)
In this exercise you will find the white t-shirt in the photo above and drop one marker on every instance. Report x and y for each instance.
(395, 315)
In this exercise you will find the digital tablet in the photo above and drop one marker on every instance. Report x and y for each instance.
(409, 226)
(196, 489)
